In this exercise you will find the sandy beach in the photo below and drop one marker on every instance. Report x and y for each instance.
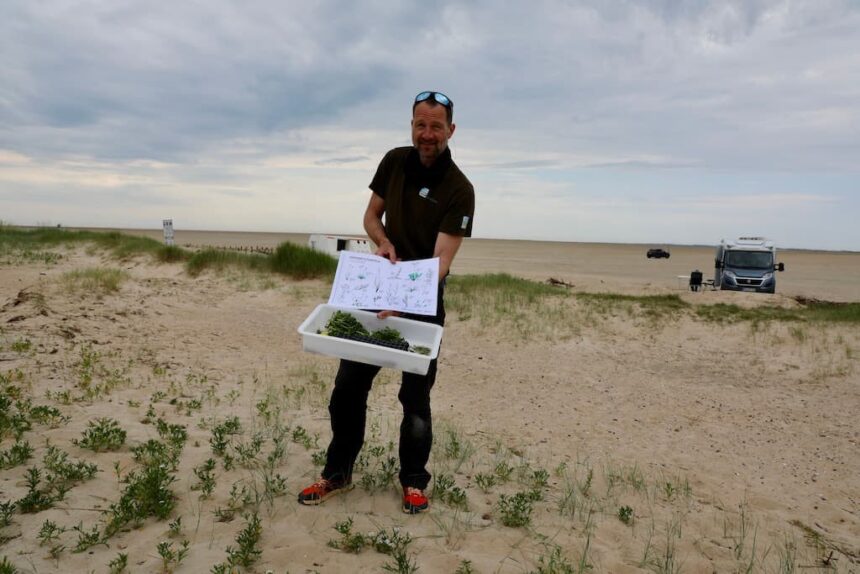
(826, 275)
(733, 445)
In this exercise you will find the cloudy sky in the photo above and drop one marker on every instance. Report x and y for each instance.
(648, 121)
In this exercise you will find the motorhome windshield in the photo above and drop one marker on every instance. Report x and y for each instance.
(749, 259)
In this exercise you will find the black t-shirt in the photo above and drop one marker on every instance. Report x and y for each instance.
(420, 202)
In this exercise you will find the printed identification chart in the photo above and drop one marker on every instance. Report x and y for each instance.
(365, 281)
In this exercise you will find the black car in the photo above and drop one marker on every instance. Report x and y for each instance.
(658, 253)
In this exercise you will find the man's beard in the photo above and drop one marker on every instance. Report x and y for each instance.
(429, 153)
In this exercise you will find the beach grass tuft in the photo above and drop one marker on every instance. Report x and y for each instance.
(94, 280)
(220, 259)
(497, 297)
(828, 311)
(531, 307)
(302, 262)
(503, 285)
(809, 311)
(171, 254)
(296, 261)
(120, 245)
(649, 305)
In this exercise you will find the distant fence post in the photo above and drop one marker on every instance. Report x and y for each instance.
(168, 231)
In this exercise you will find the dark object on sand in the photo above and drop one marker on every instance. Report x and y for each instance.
(559, 282)
(695, 280)
(400, 345)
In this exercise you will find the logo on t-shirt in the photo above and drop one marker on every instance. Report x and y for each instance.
(424, 192)
(465, 223)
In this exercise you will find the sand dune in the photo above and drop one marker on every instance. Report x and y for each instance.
(735, 446)
(618, 267)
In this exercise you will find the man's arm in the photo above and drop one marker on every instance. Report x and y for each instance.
(446, 248)
(375, 230)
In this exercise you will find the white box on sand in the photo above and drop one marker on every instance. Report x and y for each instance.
(417, 333)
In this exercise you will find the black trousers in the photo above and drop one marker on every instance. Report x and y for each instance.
(348, 410)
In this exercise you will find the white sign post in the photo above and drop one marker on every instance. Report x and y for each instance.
(168, 231)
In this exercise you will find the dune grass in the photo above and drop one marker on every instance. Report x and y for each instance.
(809, 311)
(648, 305)
(220, 259)
(302, 262)
(520, 307)
(500, 291)
(503, 293)
(832, 312)
(528, 308)
(295, 261)
(491, 297)
(118, 244)
(498, 297)
(95, 280)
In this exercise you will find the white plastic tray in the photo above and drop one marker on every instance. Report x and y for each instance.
(416, 332)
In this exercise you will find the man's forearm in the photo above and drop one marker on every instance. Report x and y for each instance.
(446, 248)
(374, 228)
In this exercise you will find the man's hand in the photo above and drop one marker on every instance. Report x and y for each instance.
(375, 230)
(386, 249)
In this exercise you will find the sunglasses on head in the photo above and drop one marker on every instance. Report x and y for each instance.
(438, 96)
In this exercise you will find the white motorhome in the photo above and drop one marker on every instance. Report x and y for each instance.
(746, 264)
(334, 244)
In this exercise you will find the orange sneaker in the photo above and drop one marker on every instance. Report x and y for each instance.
(322, 489)
(414, 500)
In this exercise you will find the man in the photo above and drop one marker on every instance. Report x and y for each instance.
(428, 206)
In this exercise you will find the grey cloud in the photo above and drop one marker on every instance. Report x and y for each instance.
(640, 164)
(228, 93)
(342, 160)
(655, 80)
(704, 80)
(514, 165)
(141, 84)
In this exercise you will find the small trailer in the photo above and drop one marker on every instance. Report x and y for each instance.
(334, 244)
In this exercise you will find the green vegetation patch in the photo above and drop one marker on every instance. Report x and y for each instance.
(500, 298)
(94, 280)
(389, 335)
(220, 259)
(530, 309)
(12, 256)
(344, 325)
(810, 311)
(650, 305)
(502, 289)
(831, 312)
(102, 434)
(292, 260)
(289, 259)
(302, 262)
(119, 244)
